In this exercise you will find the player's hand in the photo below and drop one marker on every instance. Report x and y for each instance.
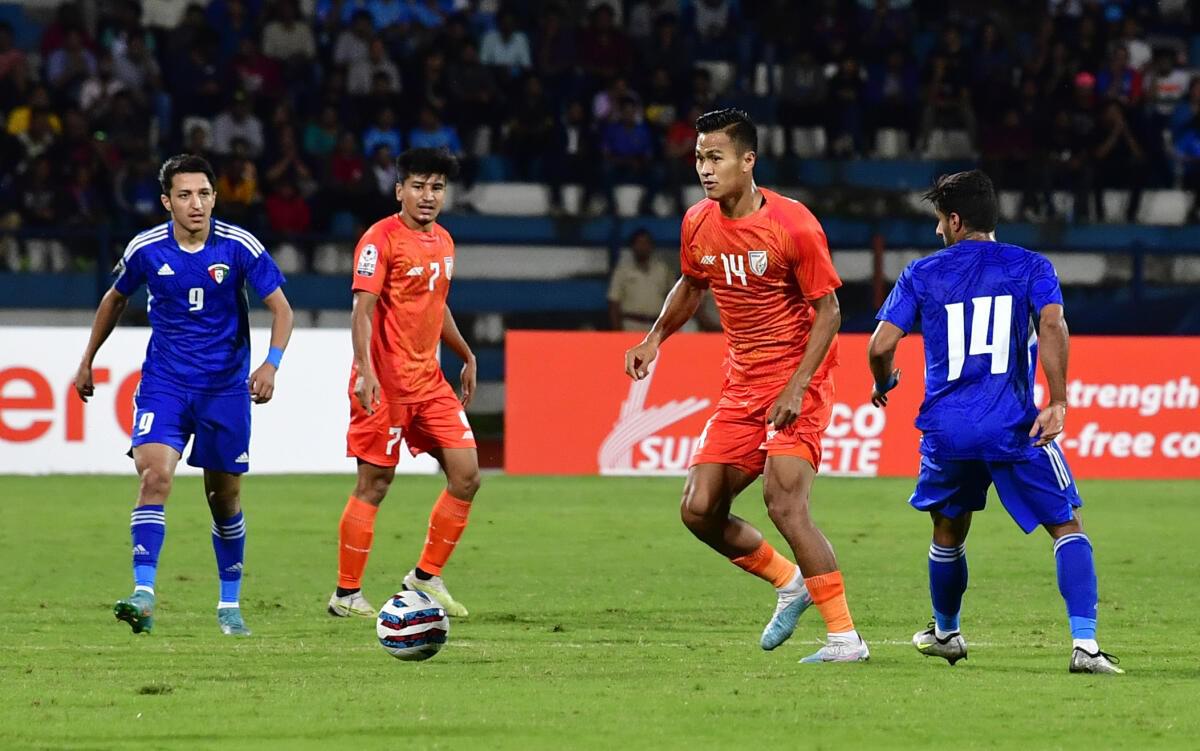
(366, 390)
(638, 359)
(467, 381)
(83, 381)
(787, 407)
(262, 383)
(878, 395)
(1049, 423)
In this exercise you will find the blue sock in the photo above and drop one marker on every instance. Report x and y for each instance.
(229, 543)
(148, 528)
(947, 582)
(1077, 583)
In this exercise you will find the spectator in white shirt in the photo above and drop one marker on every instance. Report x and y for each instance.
(646, 12)
(238, 122)
(287, 39)
(354, 44)
(1139, 49)
(95, 95)
(137, 68)
(363, 72)
(506, 46)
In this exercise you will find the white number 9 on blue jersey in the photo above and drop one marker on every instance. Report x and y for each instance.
(196, 299)
(981, 321)
(145, 422)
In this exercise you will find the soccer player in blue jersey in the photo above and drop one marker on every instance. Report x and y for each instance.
(983, 305)
(196, 382)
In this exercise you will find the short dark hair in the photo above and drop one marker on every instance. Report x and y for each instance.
(426, 162)
(970, 195)
(184, 163)
(736, 124)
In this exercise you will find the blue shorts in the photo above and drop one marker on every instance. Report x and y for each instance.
(1037, 491)
(219, 423)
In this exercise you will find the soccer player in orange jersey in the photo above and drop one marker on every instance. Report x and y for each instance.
(402, 270)
(766, 260)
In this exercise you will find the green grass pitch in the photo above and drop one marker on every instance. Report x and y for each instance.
(597, 622)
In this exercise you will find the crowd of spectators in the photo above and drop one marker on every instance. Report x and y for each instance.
(302, 105)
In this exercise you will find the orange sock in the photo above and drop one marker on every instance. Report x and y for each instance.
(355, 533)
(829, 595)
(766, 563)
(446, 524)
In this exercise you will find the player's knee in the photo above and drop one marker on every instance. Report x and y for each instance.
(464, 485)
(786, 504)
(225, 503)
(155, 484)
(699, 513)
(372, 487)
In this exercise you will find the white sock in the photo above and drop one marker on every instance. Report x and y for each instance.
(795, 584)
(940, 633)
(143, 588)
(843, 637)
(227, 605)
(1087, 645)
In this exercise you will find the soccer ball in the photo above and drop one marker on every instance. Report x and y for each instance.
(412, 626)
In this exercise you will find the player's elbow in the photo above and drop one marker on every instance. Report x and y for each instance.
(829, 309)
(879, 350)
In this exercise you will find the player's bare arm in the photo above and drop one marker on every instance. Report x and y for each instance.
(881, 355)
(111, 307)
(825, 326)
(453, 339)
(262, 380)
(366, 386)
(680, 306)
(1053, 348)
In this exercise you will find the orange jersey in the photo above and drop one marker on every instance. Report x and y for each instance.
(411, 272)
(763, 270)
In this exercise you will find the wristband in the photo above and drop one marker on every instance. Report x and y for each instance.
(275, 356)
(891, 384)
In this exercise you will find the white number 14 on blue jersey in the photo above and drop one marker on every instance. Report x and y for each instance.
(982, 321)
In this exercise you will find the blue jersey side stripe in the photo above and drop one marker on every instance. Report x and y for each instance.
(144, 239)
(237, 233)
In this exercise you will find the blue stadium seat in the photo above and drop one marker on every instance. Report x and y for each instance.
(26, 32)
(489, 362)
(342, 224)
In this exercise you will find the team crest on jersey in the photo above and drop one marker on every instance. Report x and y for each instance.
(218, 272)
(367, 260)
(758, 261)
(449, 262)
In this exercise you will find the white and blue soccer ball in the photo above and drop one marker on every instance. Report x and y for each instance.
(412, 626)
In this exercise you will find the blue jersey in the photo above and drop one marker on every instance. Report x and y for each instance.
(199, 312)
(976, 301)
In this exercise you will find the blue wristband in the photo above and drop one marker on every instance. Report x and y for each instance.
(275, 356)
(891, 384)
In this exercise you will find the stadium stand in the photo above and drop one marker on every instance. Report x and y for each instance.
(573, 121)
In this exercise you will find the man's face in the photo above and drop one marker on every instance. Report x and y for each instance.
(643, 248)
(722, 170)
(421, 197)
(949, 228)
(191, 200)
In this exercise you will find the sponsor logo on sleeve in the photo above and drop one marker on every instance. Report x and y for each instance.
(367, 261)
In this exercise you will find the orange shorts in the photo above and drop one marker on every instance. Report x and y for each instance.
(737, 435)
(437, 422)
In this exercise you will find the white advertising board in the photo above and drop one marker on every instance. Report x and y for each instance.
(45, 428)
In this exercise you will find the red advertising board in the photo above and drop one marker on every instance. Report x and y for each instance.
(1135, 407)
